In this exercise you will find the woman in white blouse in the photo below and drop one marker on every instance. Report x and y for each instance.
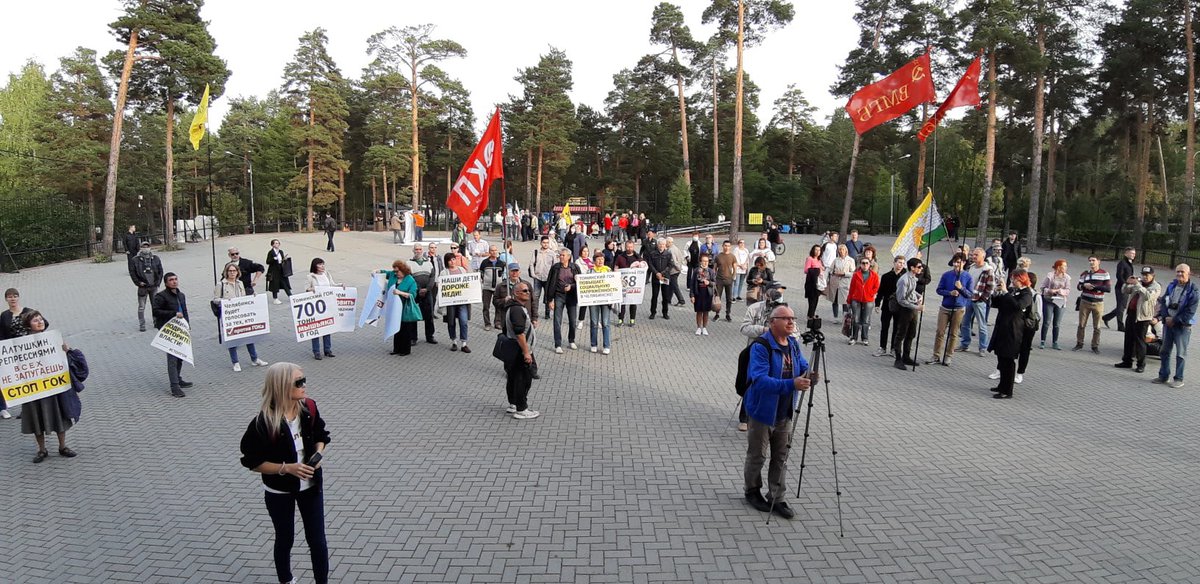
(319, 276)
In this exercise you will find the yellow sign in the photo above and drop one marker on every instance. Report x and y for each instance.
(755, 219)
(33, 367)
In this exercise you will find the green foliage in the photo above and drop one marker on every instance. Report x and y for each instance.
(230, 211)
(40, 226)
(314, 89)
(22, 105)
(679, 203)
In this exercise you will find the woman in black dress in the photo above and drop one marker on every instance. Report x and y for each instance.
(279, 268)
(1009, 331)
(701, 282)
(46, 415)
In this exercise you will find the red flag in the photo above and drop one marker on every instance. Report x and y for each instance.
(469, 197)
(893, 96)
(965, 93)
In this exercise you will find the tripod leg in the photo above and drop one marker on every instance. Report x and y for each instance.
(837, 487)
(736, 409)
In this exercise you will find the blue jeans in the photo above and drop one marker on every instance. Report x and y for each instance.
(233, 353)
(1050, 311)
(457, 314)
(282, 509)
(601, 319)
(560, 304)
(1175, 340)
(739, 282)
(977, 312)
(316, 345)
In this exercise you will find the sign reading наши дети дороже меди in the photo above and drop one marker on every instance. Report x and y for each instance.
(33, 367)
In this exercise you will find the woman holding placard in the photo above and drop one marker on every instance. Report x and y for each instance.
(401, 283)
(317, 276)
(231, 287)
(456, 315)
(40, 417)
(601, 315)
(279, 269)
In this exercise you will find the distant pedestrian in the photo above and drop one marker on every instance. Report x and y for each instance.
(251, 272)
(814, 280)
(1124, 272)
(330, 229)
(132, 241)
(1143, 298)
(757, 279)
(887, 290)
(955, 288)
(318, 276)
(1055, 291)
(171, 303)
(280, 443)
(864, 285)
(701, 284)
(839, 272)
(907, 303)
(146, 271)
(600, 315)
(279, 269)
(561, 282)
(1093, 285)
(397, 226)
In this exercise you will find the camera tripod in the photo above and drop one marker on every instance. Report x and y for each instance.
(814, 336)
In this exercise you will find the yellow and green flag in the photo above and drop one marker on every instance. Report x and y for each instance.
(923, 228)
(566, 215)
(196, 132)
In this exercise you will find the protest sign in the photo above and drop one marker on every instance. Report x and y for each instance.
(33, 367)
(457, 289)
(598, 289)
(347, 301)
(175, 338)
(373, 305)
(633, 285)
(313, 314)
(244, 320)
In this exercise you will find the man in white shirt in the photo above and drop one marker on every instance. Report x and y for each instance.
(477, 249)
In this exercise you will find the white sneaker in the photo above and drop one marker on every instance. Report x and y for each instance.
(704, 331)
(573, 346)
(527, 414)
(277, 301)
(851, 343)
(994, 375)
(1019, 378)
(511, 409)
(260, 363)
(4, 415)
(237, 366)
(879, 352)
(605, 351)
(579, 327)
(593, 349)
(558, 350)
(698, 331)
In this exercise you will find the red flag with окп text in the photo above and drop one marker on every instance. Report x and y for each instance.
(965, 93)
(893, 96)
(469, 197)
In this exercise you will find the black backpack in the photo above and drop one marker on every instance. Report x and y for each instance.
(741, 383)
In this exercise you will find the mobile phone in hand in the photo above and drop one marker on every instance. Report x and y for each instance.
(314, 459)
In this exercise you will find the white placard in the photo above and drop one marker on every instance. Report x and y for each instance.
(314, 314)
(175, 338)
(33, 367)
(244, 320)
(347, 303)
(633, 285)
(598, 289)
(458, 289)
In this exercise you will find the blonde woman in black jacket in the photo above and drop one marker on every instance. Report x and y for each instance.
(280, 443)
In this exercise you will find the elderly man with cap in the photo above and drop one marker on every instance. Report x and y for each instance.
(504, 290)
(1141, 297)
(1177, 311)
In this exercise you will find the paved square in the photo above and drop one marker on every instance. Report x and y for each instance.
(632, 474)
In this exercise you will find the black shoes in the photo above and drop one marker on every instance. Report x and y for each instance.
(727, 319)
(329, 354)
(665, 317)
(1140, 369)
(317, 356)
(178, 393)
(1096, 350)
(433, 342)
(910, 362)
(783, 510)
(1124, 365)
(900, 365)
(756, 500)
(1002, 396)
(183, 383)
(652, 316)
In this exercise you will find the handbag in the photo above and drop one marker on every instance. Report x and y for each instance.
(215, 304)
(847, 324)
(507, 349)
(287, 267)
(716, 305)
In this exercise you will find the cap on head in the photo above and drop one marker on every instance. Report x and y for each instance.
(514, 266)
(145, 244)
(1147, 270)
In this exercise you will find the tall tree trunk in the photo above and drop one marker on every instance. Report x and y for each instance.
(312, 122)
(1050, 217)
(716, 143)
(1185, 228)
(1039, 118)
(683, 131)
(91, 201)
(538, 202)
(637, 192)
(735, 220)
(387, 210)
(114, 152)
(169, 186)
(416, 153)
(529, 180)
(1162, 169)
(989, 153)
(375, 206)
(449, 150)
(1142, 174)
(845, 224)
(342, 195)
(919, 194)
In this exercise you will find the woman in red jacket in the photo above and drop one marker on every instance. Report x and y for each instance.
(864, 284)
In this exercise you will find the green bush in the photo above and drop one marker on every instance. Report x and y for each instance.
(42, 227)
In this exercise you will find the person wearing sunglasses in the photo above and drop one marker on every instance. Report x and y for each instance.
(518, 325)
(251, 272)
(908, 301)
(284, 443)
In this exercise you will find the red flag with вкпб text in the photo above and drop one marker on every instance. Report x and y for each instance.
(469, 197)
(892, 96)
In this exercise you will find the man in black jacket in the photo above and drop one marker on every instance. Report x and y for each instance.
(661, 265)
(330, 229)
(1124, 272)
(132, 242)
(251, 272)
(561, 283)
(1010, 251)
(168, 304)
(146, 271)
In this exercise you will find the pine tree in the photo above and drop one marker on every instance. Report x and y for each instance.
(23, 109)
(551, 119)
(667, 28)
(679, 203)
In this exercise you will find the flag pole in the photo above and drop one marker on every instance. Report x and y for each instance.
(212, 236)
(928, 240)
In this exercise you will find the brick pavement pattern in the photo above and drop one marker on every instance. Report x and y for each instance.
(632, 474)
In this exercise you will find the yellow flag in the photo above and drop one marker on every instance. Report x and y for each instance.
(566, 214)
(196, 132)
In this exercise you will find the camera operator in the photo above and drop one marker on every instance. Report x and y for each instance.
(755, 323)
(777, 377)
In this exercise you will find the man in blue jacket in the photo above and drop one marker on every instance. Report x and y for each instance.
(955, 290)
(777, 377)
(1177, 311)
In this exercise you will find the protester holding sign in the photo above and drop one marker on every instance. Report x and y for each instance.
(232, 287)
(12, 326)
(171, 303)
(40, 417)
(457, 314)
(317, 276)
(401, 284)
(601, 315)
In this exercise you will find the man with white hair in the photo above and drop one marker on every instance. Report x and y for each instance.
(1177, 312)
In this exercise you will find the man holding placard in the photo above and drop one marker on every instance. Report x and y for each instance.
(170, 304)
